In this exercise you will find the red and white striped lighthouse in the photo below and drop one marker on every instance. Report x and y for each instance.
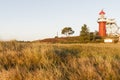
(102, 24)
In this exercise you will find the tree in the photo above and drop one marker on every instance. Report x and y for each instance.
(67, 31)
(91, 36)
(84, 30)
(84, 33)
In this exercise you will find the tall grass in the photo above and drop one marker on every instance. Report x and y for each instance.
(41, 61)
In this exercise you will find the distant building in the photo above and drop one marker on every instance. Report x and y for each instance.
(108, 40)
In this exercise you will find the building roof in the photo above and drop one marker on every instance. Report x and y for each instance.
(101, 12)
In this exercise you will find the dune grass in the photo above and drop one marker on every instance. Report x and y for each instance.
(42, 61)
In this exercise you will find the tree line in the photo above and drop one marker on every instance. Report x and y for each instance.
(85, 34)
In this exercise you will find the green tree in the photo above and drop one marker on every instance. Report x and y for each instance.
(67, 31)
(84, 30)
(84, 33)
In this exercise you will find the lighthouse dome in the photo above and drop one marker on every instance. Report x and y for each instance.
(101, 12)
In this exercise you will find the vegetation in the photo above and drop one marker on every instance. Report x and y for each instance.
(67, 31)
(73, 39)
(41, 61)
(86, 36)
(84, 33)
(66, 40)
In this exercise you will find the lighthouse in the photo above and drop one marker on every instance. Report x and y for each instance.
(102, 24)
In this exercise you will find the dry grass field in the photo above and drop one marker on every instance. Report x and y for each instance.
(42, 61)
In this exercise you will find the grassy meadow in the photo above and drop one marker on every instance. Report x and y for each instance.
(45, 61)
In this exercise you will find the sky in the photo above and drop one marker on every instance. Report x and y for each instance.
(30, 20)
